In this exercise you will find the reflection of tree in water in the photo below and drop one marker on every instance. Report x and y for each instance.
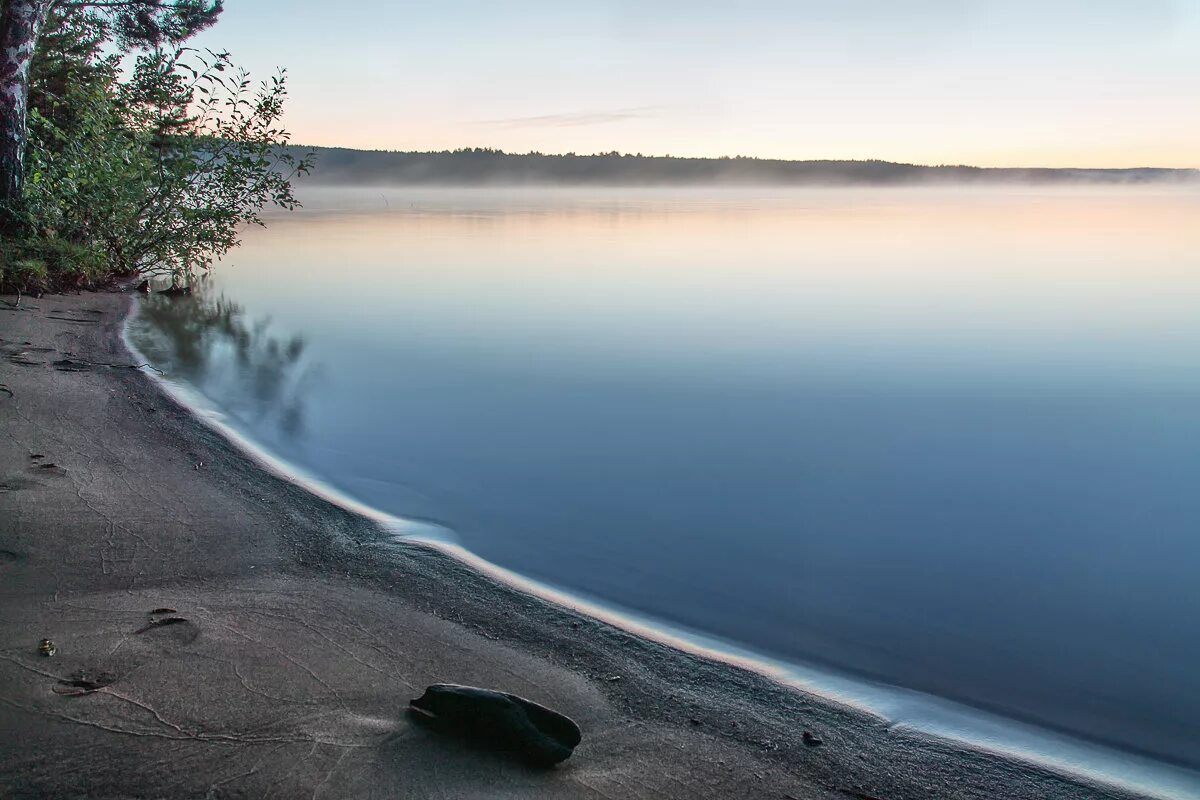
(208, 341)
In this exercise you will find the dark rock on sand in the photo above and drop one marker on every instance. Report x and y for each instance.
(504, 721)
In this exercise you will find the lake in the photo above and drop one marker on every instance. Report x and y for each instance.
(944, 439)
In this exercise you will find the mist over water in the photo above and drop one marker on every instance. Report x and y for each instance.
(945, 438)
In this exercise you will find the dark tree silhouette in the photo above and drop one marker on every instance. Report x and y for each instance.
(473, 166)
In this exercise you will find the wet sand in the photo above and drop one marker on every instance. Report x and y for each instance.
(307, 629)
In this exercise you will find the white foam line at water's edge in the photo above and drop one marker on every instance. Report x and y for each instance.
(901, 708)
(204, 409)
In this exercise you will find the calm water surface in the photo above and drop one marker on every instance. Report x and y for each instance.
(945, 439)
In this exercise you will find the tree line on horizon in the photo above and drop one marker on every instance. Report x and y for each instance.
(482, 165)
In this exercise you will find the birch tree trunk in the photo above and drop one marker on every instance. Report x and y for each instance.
(20, 25)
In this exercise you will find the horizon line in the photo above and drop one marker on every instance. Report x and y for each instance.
(618, 154)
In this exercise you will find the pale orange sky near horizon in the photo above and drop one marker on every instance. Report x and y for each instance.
(1088, 83)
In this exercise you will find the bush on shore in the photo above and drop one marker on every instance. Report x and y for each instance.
(142, 164)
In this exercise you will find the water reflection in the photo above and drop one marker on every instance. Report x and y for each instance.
(947, 440)
(212, 343)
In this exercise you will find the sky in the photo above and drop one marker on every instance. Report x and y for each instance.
(1092, 83)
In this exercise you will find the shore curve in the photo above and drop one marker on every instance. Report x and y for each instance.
(308, 627)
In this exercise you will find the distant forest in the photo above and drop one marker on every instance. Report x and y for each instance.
(480, 166)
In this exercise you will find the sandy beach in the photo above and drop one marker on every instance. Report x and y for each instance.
(307, 628)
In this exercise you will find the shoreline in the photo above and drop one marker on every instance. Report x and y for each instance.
(924, 713)
(295, 604)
